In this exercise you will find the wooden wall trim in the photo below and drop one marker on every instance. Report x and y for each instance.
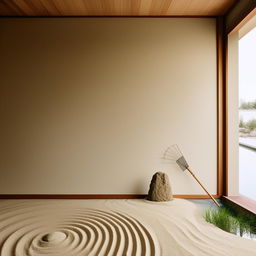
(221, 108)
(108, 16)
(225, 115)
(93, 196)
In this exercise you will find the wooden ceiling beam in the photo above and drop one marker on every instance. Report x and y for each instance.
(114, 7)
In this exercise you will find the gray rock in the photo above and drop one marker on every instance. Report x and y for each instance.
(160, 189)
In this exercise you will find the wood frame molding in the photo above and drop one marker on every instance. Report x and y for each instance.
(221, 108)
(221, 124)
(225, 114)
(108, 16)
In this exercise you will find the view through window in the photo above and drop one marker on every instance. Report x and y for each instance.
(247, 115)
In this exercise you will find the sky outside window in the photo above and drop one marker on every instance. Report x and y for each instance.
(247, 67)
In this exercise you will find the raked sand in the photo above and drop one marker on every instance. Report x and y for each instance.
(112, 227)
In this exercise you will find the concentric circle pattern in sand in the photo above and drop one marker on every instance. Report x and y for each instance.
(40, 229)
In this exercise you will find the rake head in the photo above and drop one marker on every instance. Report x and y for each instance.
(174, 154)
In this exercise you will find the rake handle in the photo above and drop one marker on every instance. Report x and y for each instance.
(203, 187)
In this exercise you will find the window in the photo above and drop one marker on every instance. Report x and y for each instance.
(247, 114)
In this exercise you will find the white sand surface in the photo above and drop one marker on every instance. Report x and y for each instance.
(112, 227)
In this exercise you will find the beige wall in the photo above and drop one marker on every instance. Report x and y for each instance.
(90, 105)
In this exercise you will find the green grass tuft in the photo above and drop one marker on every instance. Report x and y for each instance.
(222, 218)
(227, 220)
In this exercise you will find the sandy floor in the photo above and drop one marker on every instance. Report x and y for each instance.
(112, 227)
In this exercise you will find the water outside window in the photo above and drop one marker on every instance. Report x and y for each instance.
(247, 115)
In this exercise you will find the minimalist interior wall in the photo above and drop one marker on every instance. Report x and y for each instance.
(89, 105)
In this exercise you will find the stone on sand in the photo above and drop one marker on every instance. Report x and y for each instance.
(160, 189)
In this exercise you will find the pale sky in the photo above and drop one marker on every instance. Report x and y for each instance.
(247, 66)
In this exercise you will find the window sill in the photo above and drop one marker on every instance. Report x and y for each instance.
(242, 201)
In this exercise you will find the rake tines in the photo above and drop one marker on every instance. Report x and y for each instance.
(173, 153)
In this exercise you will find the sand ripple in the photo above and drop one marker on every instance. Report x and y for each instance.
(37, 229)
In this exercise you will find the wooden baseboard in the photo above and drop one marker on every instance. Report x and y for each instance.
(196, 196)
(93, 196)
